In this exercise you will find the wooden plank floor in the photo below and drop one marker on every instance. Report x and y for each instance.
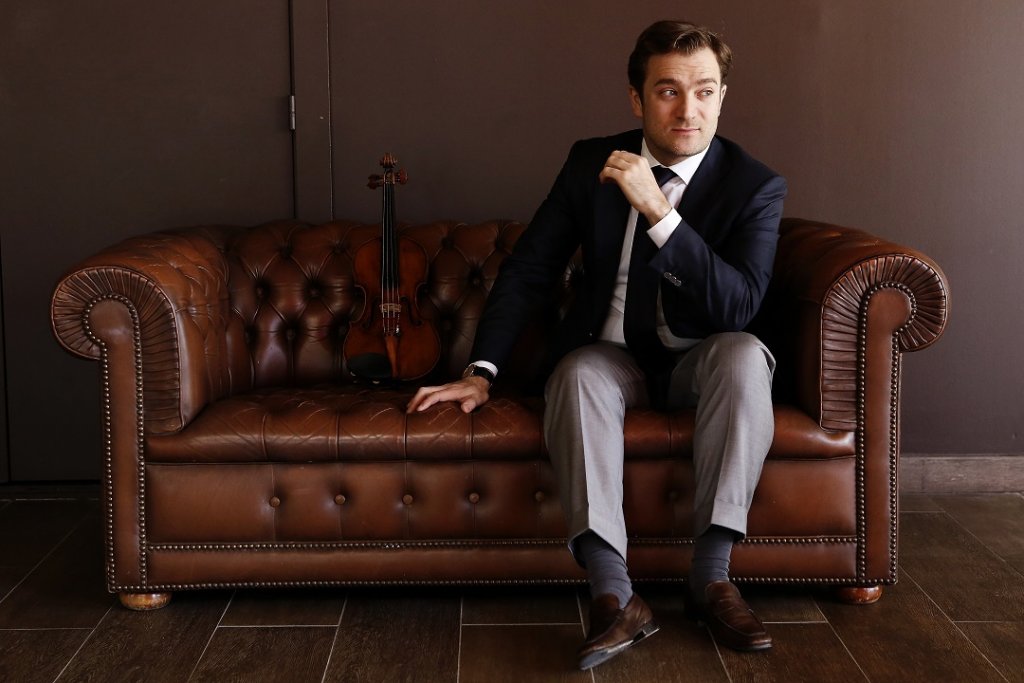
(957, 614)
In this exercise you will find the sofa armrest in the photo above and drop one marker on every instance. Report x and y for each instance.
(859, 302)
(159, 303)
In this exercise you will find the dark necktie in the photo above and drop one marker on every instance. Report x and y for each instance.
(640, 323)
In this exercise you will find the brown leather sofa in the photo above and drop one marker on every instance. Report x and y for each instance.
(239, 452)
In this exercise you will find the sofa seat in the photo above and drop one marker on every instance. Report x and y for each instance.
(353, 423)
(346, 464)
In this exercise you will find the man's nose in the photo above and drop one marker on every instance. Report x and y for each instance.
(684, 107)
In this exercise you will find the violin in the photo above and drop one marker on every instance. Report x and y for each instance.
(391, 341)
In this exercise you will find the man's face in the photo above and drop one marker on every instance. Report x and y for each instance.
(680, 104)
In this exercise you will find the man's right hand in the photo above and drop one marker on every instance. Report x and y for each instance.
(469, 392)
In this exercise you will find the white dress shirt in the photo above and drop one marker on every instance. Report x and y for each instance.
(659, 232)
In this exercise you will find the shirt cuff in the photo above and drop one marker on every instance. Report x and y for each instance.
(486, 366)
(663, 229)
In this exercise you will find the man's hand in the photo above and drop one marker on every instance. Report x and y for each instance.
(632, 173)
(470, 393)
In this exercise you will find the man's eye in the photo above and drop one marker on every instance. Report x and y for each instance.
(707, 93)
(669, 93)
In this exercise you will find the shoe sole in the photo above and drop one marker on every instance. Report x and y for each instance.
(602, 656)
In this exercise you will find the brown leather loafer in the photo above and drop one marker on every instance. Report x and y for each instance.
(614, 630)
(729, 617)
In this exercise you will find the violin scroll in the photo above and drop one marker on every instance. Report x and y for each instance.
(390, 175)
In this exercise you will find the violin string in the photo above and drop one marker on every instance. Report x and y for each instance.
(385, 257)
(389, 250)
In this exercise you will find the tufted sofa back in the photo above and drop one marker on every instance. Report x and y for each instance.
(293, 296)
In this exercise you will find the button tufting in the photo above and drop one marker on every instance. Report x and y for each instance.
(407, 499)
(539, 496)
(339, 499)
(275, 502)
(474, 498)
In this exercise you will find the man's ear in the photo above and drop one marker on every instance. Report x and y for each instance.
(721, 99)
(636, 100)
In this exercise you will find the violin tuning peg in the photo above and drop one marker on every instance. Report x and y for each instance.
(401, 177)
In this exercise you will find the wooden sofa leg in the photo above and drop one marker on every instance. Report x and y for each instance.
(859, 595)
(144, 602)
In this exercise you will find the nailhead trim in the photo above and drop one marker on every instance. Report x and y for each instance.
(827, 580)
(893, 426)
(473, 582)
(108, 483)
(469, 543)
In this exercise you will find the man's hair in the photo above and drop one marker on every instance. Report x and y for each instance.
(663, 37)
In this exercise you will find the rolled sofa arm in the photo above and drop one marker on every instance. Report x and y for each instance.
(161, 300)
(860, 301)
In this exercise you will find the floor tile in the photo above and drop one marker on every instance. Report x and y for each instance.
(775, 604)
(904, 637)
(520, 606)
(997, 520)
(397, 636)
(512, 654)
(311, 607)
(67, 590)
(157, 646)
(268, 655)
(9, 578)
(918, 502)
(1001, 642)
(30, 529)
(801, 652)
(964, 578)
(37, 655)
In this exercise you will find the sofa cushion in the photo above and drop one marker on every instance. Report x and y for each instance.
(359, 423)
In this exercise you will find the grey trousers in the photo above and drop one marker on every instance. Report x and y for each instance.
(727, 377)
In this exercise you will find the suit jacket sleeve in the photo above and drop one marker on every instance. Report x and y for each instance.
(716, 274)
(529, 274)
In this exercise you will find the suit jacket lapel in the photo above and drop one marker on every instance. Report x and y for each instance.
(699, 195)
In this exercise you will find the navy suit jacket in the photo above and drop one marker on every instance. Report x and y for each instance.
(716, 265)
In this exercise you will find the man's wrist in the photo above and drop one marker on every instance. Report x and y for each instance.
(479, 370)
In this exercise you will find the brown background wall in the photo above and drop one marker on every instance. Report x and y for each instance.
(900, 118)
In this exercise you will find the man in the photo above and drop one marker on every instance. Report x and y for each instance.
(678, 229)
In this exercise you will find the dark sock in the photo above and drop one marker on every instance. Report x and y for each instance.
(711, 554)
(606, 569)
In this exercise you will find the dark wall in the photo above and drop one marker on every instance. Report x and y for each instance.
(119, 117)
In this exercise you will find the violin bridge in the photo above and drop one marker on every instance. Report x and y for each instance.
(390, 309)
